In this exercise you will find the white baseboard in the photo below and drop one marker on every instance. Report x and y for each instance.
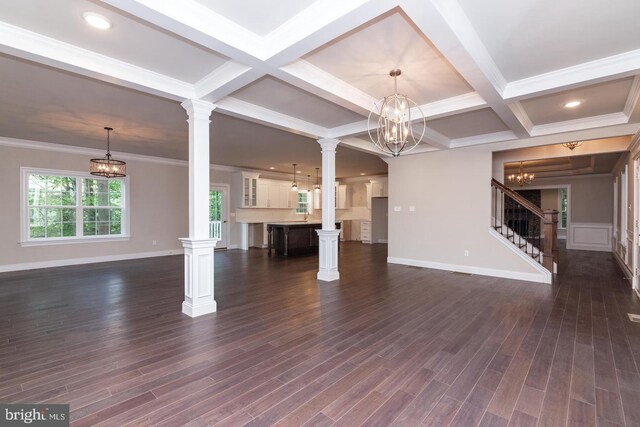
(382, 241)
(533, 263)
(516, 275)
(88, 260)
(232, 247)
(624, 267)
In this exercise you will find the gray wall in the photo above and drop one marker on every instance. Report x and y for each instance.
(451, 193)
(158, 208)
(591, 198)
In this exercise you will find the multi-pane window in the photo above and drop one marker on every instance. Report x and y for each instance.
(63, 206)
(303, 202)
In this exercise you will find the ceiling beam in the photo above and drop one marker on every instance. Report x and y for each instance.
(35, 47)
(597, 71)
(446, 25)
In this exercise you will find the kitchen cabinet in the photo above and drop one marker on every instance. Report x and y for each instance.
(365, 232)
(377, 188)
(342, 196)
(248, 185)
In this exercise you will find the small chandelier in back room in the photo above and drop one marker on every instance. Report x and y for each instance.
(294, 184)
(522, 177)
(316, 186)
(396, 124)
(107, 166)
(572, 145)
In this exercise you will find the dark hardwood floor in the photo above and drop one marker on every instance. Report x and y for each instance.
(386, 345)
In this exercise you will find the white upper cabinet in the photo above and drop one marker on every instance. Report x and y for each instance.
(248, 184)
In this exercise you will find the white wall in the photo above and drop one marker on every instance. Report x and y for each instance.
(451, 193)
(158, 211)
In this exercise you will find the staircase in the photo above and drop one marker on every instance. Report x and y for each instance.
(529, 228)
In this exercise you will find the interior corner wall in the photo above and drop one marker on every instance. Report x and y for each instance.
(158, 199)
(450, 192)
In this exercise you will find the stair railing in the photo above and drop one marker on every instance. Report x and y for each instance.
(531, 229)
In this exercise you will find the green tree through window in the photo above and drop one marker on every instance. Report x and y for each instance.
(563, 208)
(73, 207)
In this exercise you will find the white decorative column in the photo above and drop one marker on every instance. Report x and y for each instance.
(328, 236)
(198, 247)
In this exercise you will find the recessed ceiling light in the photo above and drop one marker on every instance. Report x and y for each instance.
(96, 20)
(272, 168)
(362, 173)
(299, 172)
(572, 104)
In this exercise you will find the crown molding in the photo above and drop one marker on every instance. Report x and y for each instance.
(589, 176)
(633, 97)
(635, 142)
(610, 68)
(61, 148)
(580, 124)
(488, 138)
(69, 149)
(196, 22)
(236, 107)
(35, 47)
(522, 116)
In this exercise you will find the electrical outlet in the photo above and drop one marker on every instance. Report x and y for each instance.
(397, 208)
(466, 252)
(154, 243)
(412, 208)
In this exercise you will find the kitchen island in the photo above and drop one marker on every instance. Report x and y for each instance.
(294, 238)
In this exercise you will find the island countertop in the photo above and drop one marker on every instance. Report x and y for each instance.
(295, 223)
(294, 237)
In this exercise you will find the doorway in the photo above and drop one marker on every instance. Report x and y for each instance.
(219, 214)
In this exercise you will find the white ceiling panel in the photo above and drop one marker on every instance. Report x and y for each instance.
(276, 95)
(258, 16)
(603, 98)
(480, 122)
(129, 39)
(364, 57)
(531, 37)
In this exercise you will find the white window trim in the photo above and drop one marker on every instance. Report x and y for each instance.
(560, 227)
(24, 211)
(309, 203)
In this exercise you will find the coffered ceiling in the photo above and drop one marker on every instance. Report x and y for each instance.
(485, 72)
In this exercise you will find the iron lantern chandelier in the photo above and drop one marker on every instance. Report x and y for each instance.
(107, 166)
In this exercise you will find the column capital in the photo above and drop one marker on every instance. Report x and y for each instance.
(328, 143)
(198, 109)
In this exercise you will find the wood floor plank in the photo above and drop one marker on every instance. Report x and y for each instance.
(385, 345)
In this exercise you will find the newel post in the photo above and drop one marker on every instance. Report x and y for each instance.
(550, 225)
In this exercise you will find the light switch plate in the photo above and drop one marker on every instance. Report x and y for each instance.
(397, 208)
(412, 208)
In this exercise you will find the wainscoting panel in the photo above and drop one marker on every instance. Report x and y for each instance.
(590, 236)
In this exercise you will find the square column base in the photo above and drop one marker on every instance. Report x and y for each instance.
(198, 277)
(328, 251)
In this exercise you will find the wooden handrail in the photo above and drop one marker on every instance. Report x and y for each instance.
(518, 198)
